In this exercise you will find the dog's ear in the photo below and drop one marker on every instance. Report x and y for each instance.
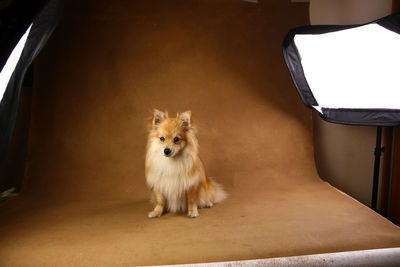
(158, 118)
(186, 119)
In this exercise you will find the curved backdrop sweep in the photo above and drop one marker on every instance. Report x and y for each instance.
(84, 201)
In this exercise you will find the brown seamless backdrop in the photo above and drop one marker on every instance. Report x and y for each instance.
(105, 68)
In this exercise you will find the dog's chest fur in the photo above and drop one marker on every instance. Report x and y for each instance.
(171, 176)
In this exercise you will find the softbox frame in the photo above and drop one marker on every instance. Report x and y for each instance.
(30, 25)
(383, 109)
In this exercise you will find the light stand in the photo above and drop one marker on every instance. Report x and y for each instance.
(377, 163)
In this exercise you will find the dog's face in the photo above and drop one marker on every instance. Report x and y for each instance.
(170, 133)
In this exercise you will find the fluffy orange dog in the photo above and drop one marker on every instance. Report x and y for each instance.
(174, 171)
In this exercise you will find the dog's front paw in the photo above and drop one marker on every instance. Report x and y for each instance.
(193, 214)
(154, 214)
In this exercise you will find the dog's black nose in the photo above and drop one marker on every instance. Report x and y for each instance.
(167, 151)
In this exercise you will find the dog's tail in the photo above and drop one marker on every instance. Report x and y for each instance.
(217, 192)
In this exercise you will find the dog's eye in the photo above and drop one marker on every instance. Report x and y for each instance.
(162, 138)
(176, 139)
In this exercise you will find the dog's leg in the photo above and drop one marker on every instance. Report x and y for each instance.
(160, 203)
(192, 195)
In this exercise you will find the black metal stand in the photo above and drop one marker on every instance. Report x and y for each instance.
(378, 153)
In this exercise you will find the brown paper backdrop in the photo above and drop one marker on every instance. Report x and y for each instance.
(108, 64)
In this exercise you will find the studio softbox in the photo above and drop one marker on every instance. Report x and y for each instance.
(25, 26)
(350, 74)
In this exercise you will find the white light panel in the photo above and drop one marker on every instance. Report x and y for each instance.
(355, 68)
(11, 63)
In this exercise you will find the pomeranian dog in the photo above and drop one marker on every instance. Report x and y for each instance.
(174, 171)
